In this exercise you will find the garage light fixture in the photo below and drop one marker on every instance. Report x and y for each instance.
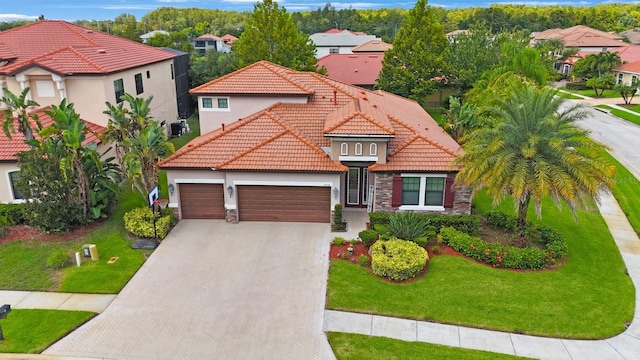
(171, 189)
(230, 190)
(336, 192)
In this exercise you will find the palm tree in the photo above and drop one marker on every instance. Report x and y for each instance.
(532, 150)
(18, 106)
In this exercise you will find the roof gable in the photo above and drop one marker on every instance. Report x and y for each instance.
(356, 69)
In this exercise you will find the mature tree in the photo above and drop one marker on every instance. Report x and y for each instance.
(534, 150)
(17, 107)
(601, 83)
(160, 40)
(211, 66)
(524, 61)
(596, 65)
(270, 34)
(459, 120)
(415, 64)
(626, 91)
(126, 26)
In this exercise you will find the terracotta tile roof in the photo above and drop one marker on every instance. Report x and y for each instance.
(633, 67)
(209, 37)
(372, 46)
(289, 137)
(9, 148)
(63, 48)
(628, 53)
(356, 69)
(229, 39)
(259, 78)
(581, 36)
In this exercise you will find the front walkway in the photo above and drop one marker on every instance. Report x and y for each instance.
(96, 303)
(623, 346)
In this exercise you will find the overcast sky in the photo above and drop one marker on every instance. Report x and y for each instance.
(72, 10)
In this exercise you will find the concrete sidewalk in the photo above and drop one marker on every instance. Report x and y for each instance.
(623, 346)
(96, 303)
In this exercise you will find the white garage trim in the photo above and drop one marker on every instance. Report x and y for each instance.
(199, 181)
(282, 183)
(230, 206)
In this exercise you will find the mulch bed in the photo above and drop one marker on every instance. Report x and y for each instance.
(29, 233)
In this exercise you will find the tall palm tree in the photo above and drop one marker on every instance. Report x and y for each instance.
(18, 107)
(532, 150)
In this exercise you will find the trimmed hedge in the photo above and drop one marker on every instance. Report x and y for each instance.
(368, 237)
(397, 259)
(578, 85)
(139, 222)
(466, 223)
(13, 213)
(511, 257)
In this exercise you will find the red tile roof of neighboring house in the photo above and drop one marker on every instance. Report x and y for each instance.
(356, 69)
(633, 67)
(372, 46)
(628, 53)
(229, 39)
(337, 31)
(209, 37)
(265, 78)
(9, 148)
(290, 137)
(65, 48)
(581, 36)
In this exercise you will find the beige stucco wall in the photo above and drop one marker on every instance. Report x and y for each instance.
(6, 195)
(239, 107)
(381, 154)
(234, 179)
(89, 93)
(627, 77)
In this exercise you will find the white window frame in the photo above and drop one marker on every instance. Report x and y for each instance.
(423, 184)
(634, 79)
(358, 149)
(620, 77)
(202, 103)
(344, 149)
(13, 195)
(214, 103)
(373, 149)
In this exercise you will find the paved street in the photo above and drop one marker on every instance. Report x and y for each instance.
(214, 290)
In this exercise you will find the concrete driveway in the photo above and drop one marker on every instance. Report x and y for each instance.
(214, 290)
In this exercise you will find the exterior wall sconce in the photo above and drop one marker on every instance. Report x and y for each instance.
(171, 189)
(336, 192)
(230, 190)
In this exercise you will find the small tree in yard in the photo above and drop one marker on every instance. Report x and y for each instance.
(626, 91)
(17, 107)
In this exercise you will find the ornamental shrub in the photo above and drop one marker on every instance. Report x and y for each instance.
(13, 213)
(368, 237)
(378, 218)
(58, 259)
(407, 226)
(577, 85)
(421, 241)
(139, 222)
(364, 261)
(499, 219)
(497, 255)
(338, 241)
(398, 259)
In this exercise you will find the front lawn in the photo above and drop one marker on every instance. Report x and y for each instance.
(622, 114)
(363, 347)
(31, 331)
(591, 93)
(589, 297)
(627, 191)
(23, 263)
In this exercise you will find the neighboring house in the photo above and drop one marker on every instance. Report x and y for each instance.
(632, 35)
(60, 60)
(336, 41)
(9, 148)
(584, 38)
(627, 74)
(207, 42)
(627, 53)
(360, 69)
(228, 39)
(284, 145)
(145, 37)
(451, 35)
(181, 75)
(372, 46)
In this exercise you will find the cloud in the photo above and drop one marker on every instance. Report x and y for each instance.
(172, 1)
(17, 17)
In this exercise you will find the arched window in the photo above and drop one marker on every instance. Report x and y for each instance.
(373, 149)
(358, 149)
(344, 149)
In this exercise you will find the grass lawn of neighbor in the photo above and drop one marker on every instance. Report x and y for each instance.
(363, 347)
(588, 297)
(622, 114)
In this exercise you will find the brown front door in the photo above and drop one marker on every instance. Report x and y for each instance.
(201, 201)
(284, 203)
(357, 186)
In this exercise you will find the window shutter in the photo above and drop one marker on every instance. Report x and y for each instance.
(449, 192)
(396, 191)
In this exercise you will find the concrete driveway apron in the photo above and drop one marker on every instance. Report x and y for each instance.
(213, 290)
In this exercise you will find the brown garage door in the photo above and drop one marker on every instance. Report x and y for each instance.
(202, 201)
(284, 203)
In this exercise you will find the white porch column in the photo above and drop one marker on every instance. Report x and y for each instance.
(60, 84)
(22, 79)
(3, 85)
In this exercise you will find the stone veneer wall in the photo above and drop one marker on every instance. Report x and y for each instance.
(232, 216)
(384, 192)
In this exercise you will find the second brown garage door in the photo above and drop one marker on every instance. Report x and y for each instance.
(202, 201)
(284, 203)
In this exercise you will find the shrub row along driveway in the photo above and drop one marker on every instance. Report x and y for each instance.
(218, 291)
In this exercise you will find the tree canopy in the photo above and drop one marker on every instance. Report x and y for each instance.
(270, 34)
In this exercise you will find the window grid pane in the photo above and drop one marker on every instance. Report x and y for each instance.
(118, 86)
(411, 191)
(434, 192)
(207, 103)
(223, 103)
(139, 88)
(13, 176)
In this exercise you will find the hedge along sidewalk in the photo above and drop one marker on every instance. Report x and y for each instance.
(96, 303)
(626, 344)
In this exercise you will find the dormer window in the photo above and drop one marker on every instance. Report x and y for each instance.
(358, 149)
(344, 149)
(373, 149)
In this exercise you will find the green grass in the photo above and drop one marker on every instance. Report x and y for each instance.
(23, 263)
(591, 93)
(589, 297)
(194, 126)
(568, 96)
(627, 191)
(622, 114)
(31, 331)
(363, 347)
(436, 113)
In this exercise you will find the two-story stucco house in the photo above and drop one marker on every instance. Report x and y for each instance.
(336, 41)
(59, 60)
(284, 145)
